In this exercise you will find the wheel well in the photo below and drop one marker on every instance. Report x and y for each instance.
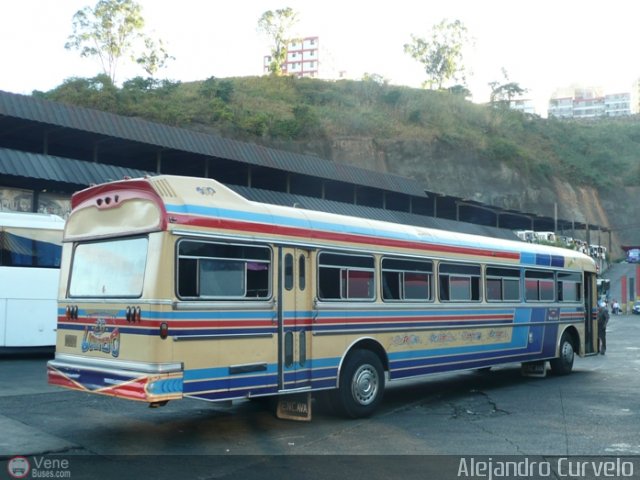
(574, 338)
(371, 345)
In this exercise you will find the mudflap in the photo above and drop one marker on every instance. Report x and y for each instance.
(296, 406)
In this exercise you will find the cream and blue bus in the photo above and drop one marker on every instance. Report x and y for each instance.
(177, 287)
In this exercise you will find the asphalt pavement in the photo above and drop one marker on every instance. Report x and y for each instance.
(422, 426)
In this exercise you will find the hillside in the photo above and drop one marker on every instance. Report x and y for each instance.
(591, 170)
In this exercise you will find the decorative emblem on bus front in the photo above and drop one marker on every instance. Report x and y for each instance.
(206, 190)
(101, 338)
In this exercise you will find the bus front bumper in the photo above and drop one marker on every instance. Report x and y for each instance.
(146, 382)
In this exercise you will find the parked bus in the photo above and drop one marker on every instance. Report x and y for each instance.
(30, 252)
(176, 287)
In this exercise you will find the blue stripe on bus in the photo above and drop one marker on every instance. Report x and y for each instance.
(218, 372)
(208, 373)
(340, 320)
(215, 383)
(269, 314)
(540, 259)
(174, 330)
(269, 218)
(415, 313)
(165, 386)
(231, 383)
(322, 373)
(210, 314)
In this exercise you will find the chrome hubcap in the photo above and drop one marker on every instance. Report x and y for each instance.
(364, 386)
(567, 352)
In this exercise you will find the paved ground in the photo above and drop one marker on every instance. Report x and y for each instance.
(593, 411)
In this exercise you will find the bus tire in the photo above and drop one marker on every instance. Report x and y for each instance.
(361, 385)
(563, 364)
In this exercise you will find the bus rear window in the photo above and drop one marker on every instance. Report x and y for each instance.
(112, 268)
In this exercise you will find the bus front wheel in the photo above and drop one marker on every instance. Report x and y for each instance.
(361, 385)
(563, 364)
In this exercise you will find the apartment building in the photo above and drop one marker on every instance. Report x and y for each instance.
(561, 107)
(303, 58)
(590, 103)
(588, 107)
(618, 104)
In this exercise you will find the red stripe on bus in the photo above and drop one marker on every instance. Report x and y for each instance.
(263, 228)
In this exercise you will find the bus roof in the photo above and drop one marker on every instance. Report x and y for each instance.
(192, 203)
(31, 220)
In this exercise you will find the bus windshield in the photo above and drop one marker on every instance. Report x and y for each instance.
(112, 268)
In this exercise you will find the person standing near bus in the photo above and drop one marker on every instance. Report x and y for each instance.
(615, 307)
(603, 319)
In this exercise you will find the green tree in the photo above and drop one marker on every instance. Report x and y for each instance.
(460, 91)
(442, 54)
(214, 88)
(154, 56)
(113, 30)
(503, 93)
(277, 26)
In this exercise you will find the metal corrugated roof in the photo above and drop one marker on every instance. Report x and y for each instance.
(330, 206)
(58, 169)
(135, 129)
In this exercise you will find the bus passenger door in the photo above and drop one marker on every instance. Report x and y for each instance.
(294, 319)
(591, 339)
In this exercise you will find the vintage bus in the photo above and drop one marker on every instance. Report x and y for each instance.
(30, 253)
(175, 287)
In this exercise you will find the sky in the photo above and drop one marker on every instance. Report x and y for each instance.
(542, 44)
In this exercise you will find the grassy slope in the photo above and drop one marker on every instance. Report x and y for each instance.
(603, 153)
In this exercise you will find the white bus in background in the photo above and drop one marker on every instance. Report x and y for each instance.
(598, 251)
(545, 236)
(30, 249)
(525, 235)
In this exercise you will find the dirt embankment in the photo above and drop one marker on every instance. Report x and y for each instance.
(466, 175)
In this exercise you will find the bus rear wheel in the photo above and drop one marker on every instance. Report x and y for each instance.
(563, 364)
(361, 385)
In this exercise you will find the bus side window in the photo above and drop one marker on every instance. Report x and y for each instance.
(329, 283)
(302, 272)
(502, 284)
(257, 279)
(344, 276)
(391, 285)
(288, 271)
(30, 247)
(210, 270)
(459, 282)
(188, 277)
(539, 285)
(569, 287)
(407, 280)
